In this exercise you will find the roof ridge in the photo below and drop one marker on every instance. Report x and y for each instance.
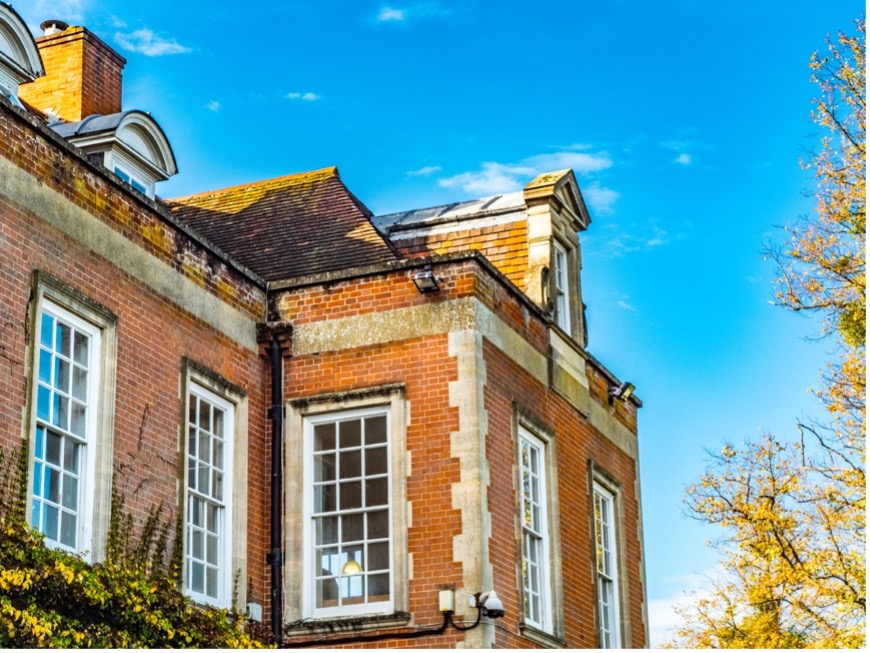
(322, 173)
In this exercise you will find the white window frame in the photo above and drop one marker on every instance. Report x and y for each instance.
(607, 576)
(93, 496)
(54, 402)
(129, 172)
(561, 287)
(535, 569)
(354, 581)
(299, 586)
(223, 505)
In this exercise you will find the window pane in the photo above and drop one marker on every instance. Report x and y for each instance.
(376, 492)
(78, 421)
(326, 562)
(61, 411)
(197, 576)
(324, 498)
(379, 556)
(196, 544)
(37, 480)
(379, 524)
(211, 549)
(218, 423)
(204, 415)
(376, 461)
(71, 456)
(349, 434)
(352, 527)
(324, 467)
(350, 495)
(350, 464)
(43, 400)
(62, 375)
(51, 491)
(217, 487)
(47, 331)
(44, 366)
(218, 454)
(80, 383)
(80, 349)
(326, 593)
(53, 448)
(376, 429)
(379, 587)
(68, 529)
(70, 493)
(40, 443)
(324, 437)
(326, 530)
(213, 522)
(49, 521)
(63, 342)
(211, 582)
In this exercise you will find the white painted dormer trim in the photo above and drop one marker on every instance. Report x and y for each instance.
(132, 143)
(20, 61)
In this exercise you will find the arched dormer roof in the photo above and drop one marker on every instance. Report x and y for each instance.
(19, 57)
(132, 133)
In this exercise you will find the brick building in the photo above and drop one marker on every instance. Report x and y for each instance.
(388, 426)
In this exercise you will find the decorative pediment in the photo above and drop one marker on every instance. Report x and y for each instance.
(559, 189)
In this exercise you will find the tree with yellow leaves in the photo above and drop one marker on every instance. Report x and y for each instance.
(794, 511)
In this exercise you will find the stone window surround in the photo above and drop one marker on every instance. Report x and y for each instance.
(194, 375)
(392, 397)
(525, 420)
(600, 477)
(48, 290)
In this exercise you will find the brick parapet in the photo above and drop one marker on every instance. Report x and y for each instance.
(37, 150)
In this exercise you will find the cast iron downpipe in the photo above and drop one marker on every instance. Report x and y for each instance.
(275, 558)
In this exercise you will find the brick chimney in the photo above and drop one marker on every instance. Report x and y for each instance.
(82, 74)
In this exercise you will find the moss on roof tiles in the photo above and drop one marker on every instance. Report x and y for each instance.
(300, 224)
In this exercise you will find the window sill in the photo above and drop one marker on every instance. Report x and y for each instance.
(542, 638)
(346, 625)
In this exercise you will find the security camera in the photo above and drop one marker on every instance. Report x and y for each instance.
(491, 605)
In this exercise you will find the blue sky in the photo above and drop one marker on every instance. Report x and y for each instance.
(683, 119)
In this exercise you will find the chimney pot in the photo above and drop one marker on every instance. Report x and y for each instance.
(52, 26)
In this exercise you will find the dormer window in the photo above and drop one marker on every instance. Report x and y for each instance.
(130, 144)
(562, 312)
(130, 178)
(20, 62)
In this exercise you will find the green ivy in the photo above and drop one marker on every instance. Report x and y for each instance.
(52, 599)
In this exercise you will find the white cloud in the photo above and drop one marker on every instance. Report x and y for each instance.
(61, 9)
(621, 303)
(145, 41)
(214, 105)
(638, 239)
(413, 11)
(582, 163)
(599, 198)
(390, 14)
(425, 171)
(308, 97)
(684, 159)
(494, 178)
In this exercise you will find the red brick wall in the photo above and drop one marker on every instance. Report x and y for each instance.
(425, 368)
(153, 333)
(577, 444)
(82, 76)
(505, 245)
